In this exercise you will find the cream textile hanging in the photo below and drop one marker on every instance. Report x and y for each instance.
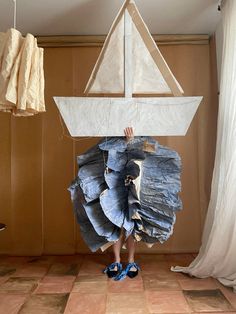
(21, 74)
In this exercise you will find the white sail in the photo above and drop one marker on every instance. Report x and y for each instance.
(147, 77)
(108, 75)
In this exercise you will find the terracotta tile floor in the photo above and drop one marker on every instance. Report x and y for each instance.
(76, 285)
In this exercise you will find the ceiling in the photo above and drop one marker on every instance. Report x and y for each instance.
(94, 17)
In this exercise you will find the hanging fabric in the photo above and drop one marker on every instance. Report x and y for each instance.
(217, 256)
(21, 74)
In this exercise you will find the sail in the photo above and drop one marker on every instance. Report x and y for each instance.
(150, 72)
(110, 74)
(148, 78)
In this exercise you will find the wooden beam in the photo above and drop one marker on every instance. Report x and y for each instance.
(98, 40)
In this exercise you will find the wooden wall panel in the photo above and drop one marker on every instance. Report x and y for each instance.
(58, 220)
(5, 183)
(26, 183)
(191, 66)
(81, 73)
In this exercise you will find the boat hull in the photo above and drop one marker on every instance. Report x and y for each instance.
(98, 116)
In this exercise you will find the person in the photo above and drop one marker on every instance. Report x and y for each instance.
(115, 270)
(126, 191)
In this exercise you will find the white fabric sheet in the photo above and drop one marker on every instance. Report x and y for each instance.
(217, 256)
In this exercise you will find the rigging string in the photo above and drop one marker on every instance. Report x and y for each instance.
(68, 136)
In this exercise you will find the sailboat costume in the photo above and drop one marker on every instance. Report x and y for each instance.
(131, 186)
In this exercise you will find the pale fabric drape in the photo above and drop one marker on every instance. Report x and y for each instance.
(21, 74)
(217, 256)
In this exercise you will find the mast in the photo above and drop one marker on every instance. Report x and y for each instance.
(128, 64)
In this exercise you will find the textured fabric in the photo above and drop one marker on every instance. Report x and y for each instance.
(10, 49)
(217, 256)
(21, 74)
(105, 196)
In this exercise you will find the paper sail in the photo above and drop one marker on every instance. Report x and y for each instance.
(129, 63)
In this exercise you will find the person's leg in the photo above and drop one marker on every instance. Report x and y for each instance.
(131, 268)
(130, 244)
(117, 248)
(115, 268)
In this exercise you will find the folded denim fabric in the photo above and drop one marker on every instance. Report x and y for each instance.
(132, 186)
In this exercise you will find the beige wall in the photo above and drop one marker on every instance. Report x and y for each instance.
(37, 163)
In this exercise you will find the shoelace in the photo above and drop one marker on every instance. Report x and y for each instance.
(125, 271)
(112, 267)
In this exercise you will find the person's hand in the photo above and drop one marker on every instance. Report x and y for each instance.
(129, 133)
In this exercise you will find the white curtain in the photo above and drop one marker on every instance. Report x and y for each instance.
(217, 256)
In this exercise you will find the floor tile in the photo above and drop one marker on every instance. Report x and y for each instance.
(86, 304)
(193, 283)
(40, 260)
(167, 302)
(93, 265)
(207, 300)
(90, 287)
(14, 260)
(62, 284)
(160, 269)
(41, 285)
(179, 259)
(7, 270)
(228, 293)
(3, 279)
(152, 266)
(128, 303)
(45, 304)
(150, 258)
(19, 285)
(68, 259)
(92, 278)
(11, 303)
(156, 283)
(31, 271)
(125, 286)
(63, 269)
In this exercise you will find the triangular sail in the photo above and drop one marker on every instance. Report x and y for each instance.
(151, 73)
(147, 77)
(110, 74)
